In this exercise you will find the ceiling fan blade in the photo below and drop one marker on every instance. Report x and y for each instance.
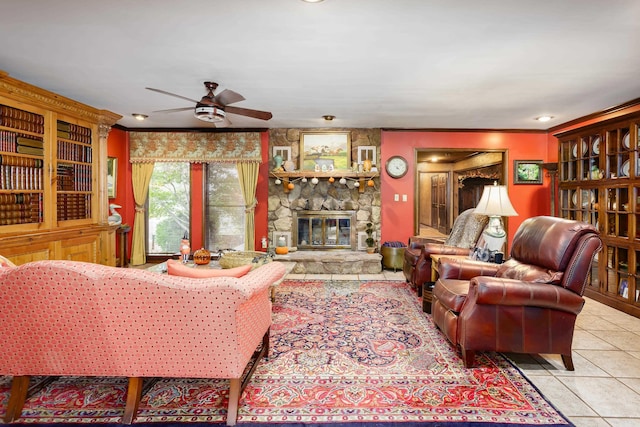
(224, 123)
(164, 92)
(227, 97)
(173, 110)
(256, 114)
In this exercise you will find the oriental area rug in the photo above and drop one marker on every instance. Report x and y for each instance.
(342, 352)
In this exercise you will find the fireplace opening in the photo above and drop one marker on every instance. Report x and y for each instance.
(324, 230)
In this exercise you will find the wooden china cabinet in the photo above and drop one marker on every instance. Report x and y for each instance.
(599, 182)
(53, 202)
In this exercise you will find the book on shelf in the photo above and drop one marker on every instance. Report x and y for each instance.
(64, 134)
(34, 151)
(30, 142)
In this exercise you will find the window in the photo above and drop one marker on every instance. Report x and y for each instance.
(168, 207)
(224, 208)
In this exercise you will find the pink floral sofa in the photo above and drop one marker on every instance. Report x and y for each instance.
(66, 318)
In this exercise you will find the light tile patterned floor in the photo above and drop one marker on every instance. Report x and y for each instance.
(604, 389)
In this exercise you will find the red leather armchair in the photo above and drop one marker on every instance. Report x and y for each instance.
(530, 303)
(466, 231)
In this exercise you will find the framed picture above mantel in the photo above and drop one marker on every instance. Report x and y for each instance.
(325, 151)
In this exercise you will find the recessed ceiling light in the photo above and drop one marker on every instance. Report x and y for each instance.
(312, 1)
(328, 117)
(139, 116)
(544, 118)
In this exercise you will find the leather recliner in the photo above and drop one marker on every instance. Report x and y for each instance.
(530, 303)
(465, 233)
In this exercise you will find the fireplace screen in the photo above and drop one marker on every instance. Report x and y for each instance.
(324, 229)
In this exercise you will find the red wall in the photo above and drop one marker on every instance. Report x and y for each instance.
(528, 200)
(118, 147)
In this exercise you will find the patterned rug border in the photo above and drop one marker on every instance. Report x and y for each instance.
(449, 419)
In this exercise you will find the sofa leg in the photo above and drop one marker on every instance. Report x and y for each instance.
(568, 362)
(17, 397)
(234, 398)
(134, 394)
(265, 343)
(468, 357)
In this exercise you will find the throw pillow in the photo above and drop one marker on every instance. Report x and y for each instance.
(176, 268)
(5, 263)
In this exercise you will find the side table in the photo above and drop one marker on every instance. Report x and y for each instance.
(427, 288)
(122, 260)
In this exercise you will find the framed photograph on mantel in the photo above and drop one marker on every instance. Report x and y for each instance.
(325, 151)
(527, 171)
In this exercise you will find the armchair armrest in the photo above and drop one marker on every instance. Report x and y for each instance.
(430, 248)
(419, 242)
(498, 291)
(465, 269)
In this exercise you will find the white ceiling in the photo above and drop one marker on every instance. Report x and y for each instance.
(490, 64)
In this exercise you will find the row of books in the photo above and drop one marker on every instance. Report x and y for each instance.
(14, 142)
(9, 160)
(20, 178)
(21, 125)
(74, 152)
(73, 206)
(74, 177)
(16, 113)
(20, 208)
(74, 132)
(19, 198)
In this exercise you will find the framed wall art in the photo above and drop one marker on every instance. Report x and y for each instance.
(367, 152)
(325, 151)
(527, 171)
(284, 152)
(112, 175)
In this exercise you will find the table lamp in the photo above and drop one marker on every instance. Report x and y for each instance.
(495, 203)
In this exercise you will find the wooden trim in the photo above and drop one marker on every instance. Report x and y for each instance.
(42, 98)
(598, 114)
(463, 130)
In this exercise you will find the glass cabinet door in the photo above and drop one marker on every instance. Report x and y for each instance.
(619, 154)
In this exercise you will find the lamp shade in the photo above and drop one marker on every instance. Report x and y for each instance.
(495, 202)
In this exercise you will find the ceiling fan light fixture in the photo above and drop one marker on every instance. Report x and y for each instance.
(209, 113)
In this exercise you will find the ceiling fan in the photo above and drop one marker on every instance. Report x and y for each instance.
(214, 108)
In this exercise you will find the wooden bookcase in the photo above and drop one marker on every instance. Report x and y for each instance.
(599, 182)
(53, 201)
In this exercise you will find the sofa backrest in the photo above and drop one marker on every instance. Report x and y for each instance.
(552, 250)
(76, 318)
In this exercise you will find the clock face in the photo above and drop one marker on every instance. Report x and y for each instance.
(397, 167)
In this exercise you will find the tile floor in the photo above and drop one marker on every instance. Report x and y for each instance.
(604, 389)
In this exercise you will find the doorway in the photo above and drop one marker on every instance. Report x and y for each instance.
(451, 181)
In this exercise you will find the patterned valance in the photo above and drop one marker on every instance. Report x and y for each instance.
(195, 147)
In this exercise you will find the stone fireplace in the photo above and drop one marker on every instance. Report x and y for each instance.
(332, 210)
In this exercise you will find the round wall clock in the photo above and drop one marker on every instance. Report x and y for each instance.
(397, 166)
